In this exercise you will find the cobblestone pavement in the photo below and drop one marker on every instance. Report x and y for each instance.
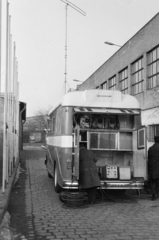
(37, 213)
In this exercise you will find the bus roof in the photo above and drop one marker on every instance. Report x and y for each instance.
(98, 98)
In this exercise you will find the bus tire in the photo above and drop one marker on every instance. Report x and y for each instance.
(56, 185)
(49, 175)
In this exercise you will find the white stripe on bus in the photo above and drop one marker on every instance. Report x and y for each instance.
(60, 141)
(83, 109)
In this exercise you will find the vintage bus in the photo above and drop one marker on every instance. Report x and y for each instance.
(108, 123)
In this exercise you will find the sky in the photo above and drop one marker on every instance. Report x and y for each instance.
(38, 28)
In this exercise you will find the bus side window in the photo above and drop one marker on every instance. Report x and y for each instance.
(53, 124)
(58, 123)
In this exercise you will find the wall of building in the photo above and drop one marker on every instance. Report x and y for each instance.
(1, 138)
(143, 41)
(139, 46)
(20, 131)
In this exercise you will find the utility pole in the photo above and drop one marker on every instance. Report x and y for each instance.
(84, 14)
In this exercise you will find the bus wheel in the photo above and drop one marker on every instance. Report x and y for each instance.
(49, 175)
(56, 185)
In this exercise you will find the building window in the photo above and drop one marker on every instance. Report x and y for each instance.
(112, 83)
(104, 85)
(123, 79)
(153, 68)
(153, 130)
(137, 76)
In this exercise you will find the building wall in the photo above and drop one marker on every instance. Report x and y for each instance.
(145, 40)
(1, 156)
(1, 139)
(20, 132)
(142, 42)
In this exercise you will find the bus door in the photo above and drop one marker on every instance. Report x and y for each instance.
(76, 151)
(140, 153)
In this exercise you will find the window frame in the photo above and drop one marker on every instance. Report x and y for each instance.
(123, 80)
(152, 131)
(137, 76)
(153, 67)
(141, 146)
(104, 84)
(113, 85)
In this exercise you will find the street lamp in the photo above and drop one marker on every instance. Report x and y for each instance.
(75, 80)
(112, 44)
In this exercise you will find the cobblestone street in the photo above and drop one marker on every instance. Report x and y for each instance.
(37, 213)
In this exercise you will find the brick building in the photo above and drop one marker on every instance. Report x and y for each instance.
(134, 69)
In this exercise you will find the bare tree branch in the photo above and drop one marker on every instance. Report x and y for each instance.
(41, 119)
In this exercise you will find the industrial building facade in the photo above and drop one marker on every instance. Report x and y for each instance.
(134, 69)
